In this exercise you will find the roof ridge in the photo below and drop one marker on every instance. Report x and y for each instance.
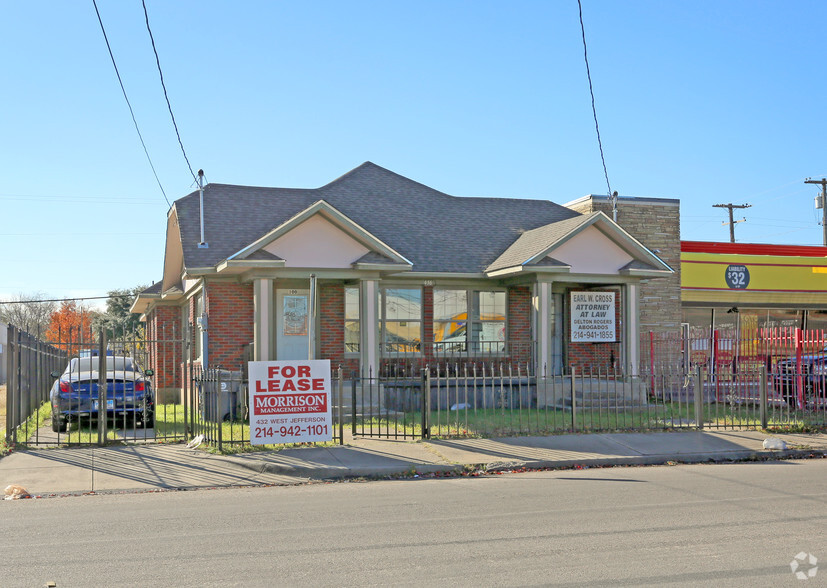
(388, 172)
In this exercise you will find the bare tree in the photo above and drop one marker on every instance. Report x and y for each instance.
(25, 311)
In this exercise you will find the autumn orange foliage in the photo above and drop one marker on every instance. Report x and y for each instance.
(70, 327)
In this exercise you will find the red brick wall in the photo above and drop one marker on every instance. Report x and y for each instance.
(519, 324)
(230, 313)
(332, 329)
(332, 323)
(595, 356)
(166, 352)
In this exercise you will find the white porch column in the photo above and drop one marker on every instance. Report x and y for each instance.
(265, 319)
(543, 311)
(369, 327)
(631, 316)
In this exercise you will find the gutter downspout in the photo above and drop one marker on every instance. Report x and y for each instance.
(202, 325)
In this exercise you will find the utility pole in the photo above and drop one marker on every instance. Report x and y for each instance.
(820, 204)
(731, 222)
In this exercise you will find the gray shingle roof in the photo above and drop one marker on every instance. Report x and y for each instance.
(536, 241)
(155, 288)
(551, 262)
(374, 257)
(636, 264)
(437, 232)
(261, 254)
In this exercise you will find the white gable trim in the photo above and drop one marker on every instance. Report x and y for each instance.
(337, 219)
(614, 233)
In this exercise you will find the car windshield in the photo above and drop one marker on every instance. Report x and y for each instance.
(90, 364)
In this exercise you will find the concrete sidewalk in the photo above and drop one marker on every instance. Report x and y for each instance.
(46, 472)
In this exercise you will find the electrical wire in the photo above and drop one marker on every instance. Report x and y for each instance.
(166, 96)
(591, 91)
(64, 299)
(135, 122)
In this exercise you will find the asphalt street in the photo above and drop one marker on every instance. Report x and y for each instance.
(738, 524)
(162, 466)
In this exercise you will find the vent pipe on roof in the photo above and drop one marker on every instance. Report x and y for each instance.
(613, 200)
(203, 244)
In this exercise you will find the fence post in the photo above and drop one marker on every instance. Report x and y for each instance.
(14, 407)
(652, 360)
(426, 403)
(762, 391)
(102, 387)
(10, 380)
(573, 400)
(341, 409)
(219, 418)
(699, 398)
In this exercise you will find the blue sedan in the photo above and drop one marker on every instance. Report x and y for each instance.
(74, 395)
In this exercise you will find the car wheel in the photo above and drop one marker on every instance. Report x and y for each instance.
(149, 421)
(58, 425)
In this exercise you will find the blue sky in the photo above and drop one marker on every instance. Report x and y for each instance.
(708, 102)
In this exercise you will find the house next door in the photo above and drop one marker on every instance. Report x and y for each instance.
(292, 322)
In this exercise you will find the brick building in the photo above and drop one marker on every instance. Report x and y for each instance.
(404, 275)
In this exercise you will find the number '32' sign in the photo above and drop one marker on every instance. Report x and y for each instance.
(737, 277)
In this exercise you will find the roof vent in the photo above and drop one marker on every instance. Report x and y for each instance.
(203, 244)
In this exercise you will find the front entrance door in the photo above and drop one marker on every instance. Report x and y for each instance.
(292, 322)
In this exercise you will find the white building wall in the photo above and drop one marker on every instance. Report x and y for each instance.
(591, 252)
(317, 243)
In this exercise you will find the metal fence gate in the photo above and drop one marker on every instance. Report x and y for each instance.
(175, 401)
(57, 390)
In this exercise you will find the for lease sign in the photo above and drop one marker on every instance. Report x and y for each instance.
(290, 401)
(593, 317)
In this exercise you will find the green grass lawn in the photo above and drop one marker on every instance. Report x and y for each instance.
(516, 422)
(172, 425)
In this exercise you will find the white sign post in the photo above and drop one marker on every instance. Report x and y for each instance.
(593, 317)
(290, 401)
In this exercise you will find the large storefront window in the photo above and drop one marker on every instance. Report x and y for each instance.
(749, 319)
(352, 332)
(817, 320)
(400, 325)
(469, 320)
(698, 319)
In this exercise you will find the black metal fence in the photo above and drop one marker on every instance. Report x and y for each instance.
(715, 381)
(506, 400)
(29, 361)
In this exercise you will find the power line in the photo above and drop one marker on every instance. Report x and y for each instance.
(120, 81)
(594, 109)
(169, 106)
(65, 299)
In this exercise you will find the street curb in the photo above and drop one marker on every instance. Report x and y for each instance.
(337, 473)
(411, 469)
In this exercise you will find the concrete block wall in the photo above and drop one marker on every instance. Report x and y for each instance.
(655, 222)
